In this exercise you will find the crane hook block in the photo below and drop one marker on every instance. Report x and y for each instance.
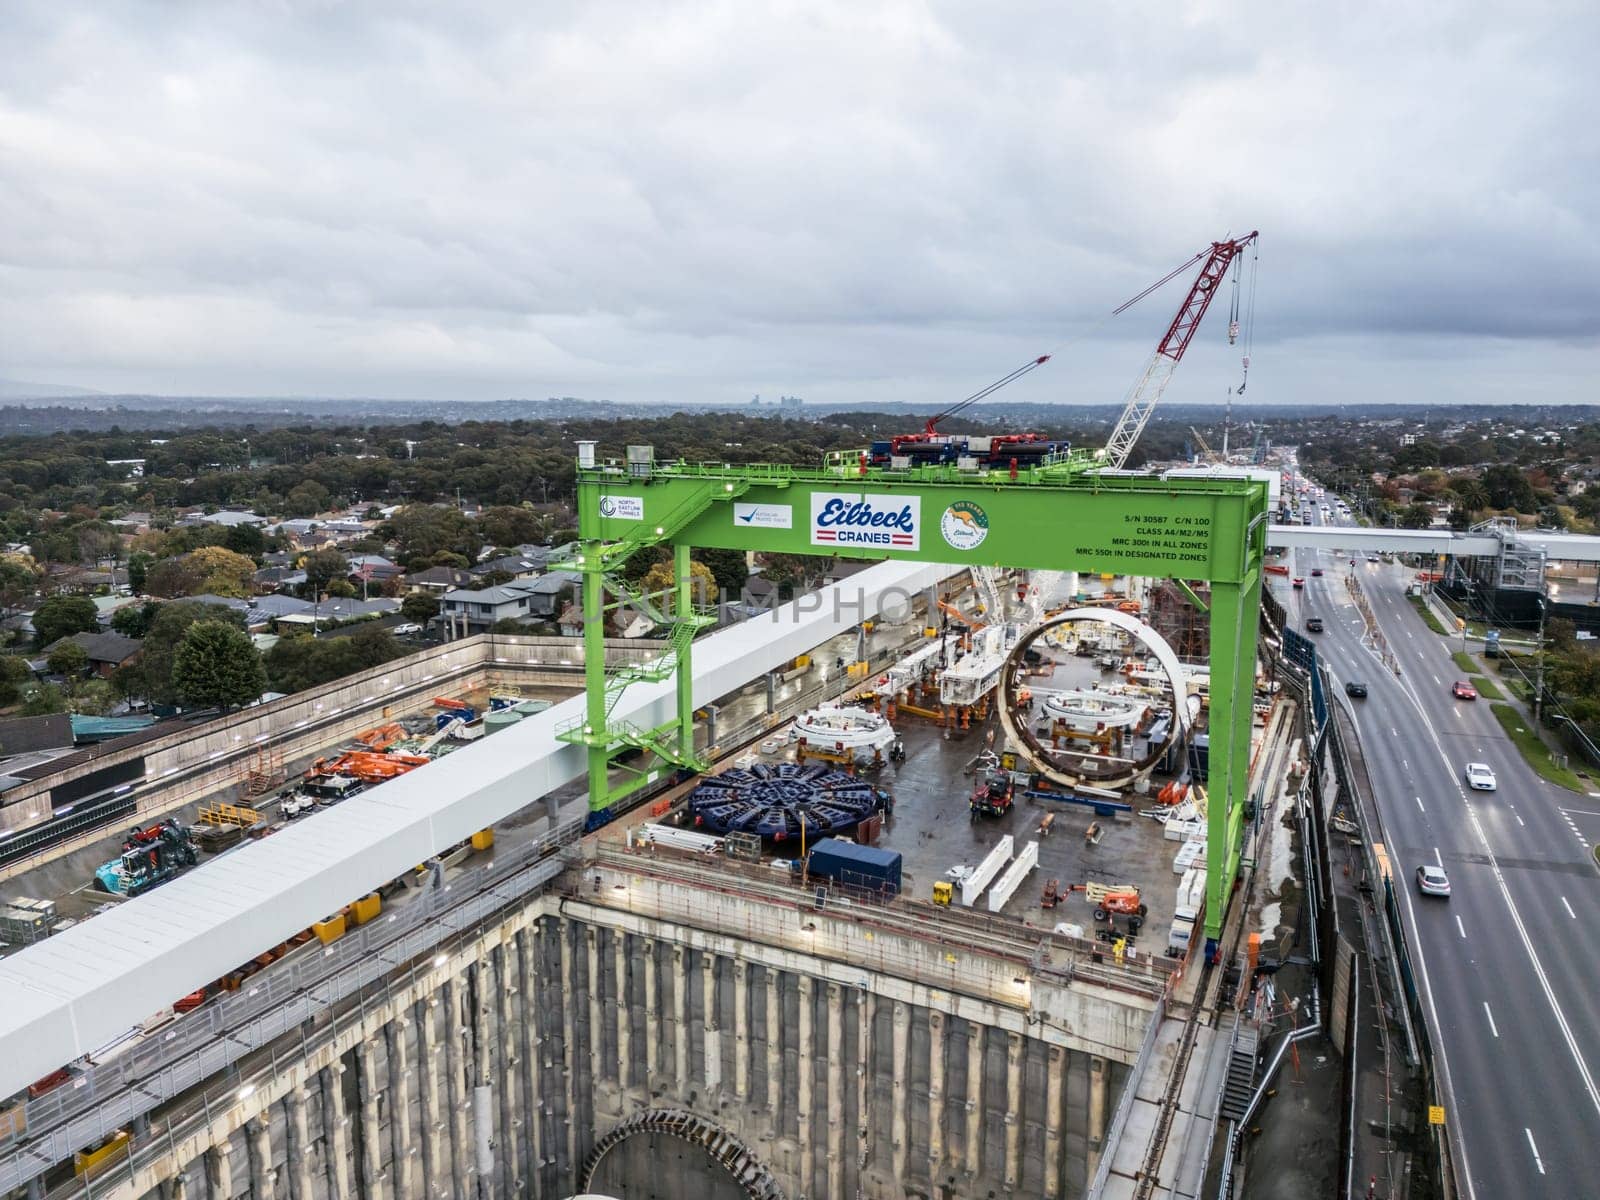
(1233, 332)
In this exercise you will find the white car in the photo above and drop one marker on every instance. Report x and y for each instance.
(1432, 881)
(1480, 777)
(406, 630)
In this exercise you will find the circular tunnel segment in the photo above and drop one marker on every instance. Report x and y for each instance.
(672, 1154)
(1073, 768)
(777, 801)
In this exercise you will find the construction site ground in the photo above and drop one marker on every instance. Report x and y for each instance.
(69, 880)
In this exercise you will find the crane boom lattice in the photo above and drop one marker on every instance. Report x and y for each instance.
(1169, 352)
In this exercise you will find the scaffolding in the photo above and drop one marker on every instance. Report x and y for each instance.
(262, 772)
(1176, 618)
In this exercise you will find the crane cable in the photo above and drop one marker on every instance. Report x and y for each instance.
(1012, 377)
(1249, 312)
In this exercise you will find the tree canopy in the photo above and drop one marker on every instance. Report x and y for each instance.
(216, 664)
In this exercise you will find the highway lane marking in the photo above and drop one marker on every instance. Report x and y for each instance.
(1439, 681)
(1537, 1161)
(1493, 1028)
(1582, 812)
(1461, 927)
(1419, 804)
(1511, 910)
(1437, 859)
(1568, 907)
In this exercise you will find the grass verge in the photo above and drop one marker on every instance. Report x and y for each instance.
(1486, 688)
(1463, 662)
(1534, 752)
(1418, 603)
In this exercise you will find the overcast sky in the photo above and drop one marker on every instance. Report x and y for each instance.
(869, 199)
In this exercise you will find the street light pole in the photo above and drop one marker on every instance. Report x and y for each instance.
(1538, 686)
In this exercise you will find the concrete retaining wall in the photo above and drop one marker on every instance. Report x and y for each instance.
(494, 1072)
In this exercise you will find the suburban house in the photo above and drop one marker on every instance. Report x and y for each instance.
(374, 569)
(518, 566)
(436, 581)
(473, 610)
(275, 579)
(265, 611)
(337, 610)
(106, 651)
(227, 517)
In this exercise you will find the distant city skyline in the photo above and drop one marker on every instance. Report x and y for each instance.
(854, 204)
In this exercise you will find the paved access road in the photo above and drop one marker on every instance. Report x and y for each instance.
(1510, 963)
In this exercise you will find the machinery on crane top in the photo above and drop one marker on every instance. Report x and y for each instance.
(971, 451)
(1169, 351)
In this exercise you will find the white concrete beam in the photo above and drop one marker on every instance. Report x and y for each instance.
(78, 990)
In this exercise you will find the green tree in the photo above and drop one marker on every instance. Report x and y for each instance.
(247, 540)
(19, 579)
(322, 567)
(151, 676)
(67, 659)
(507, 525)
(702, 584)
(341, 588)
(93, 697)
(62, 616)
(216, 664)
(133, 620)
(419, 607)
(1507, 487)
(13, 674)
(222, 572)
(306, 499)
(173, 577)
(139, 564)
(42, 699)
(1417, 516)
(426, 530)
(728, 566)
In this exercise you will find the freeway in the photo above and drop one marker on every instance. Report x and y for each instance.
(1507, 963)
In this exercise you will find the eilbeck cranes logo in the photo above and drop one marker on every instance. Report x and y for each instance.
(866, 519)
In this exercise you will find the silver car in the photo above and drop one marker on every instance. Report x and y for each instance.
(1432, 881)
(1480, 777)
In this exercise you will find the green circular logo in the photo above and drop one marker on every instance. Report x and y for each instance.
(964, 525)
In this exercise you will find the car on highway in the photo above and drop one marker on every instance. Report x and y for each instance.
(1354, 687)
(1372, 558)
(1299, 583)
(1316, 572)
(1313, 624)
(1462, 690)
(1480, 777)
(1432, 881)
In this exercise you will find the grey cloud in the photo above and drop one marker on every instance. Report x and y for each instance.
(849, 201)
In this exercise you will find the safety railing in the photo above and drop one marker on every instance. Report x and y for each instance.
(1117, 1126)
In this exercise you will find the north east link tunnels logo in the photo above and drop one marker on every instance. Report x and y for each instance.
(866, 519)
(964, 525)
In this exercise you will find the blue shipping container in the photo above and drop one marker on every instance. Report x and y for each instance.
(855, 866)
